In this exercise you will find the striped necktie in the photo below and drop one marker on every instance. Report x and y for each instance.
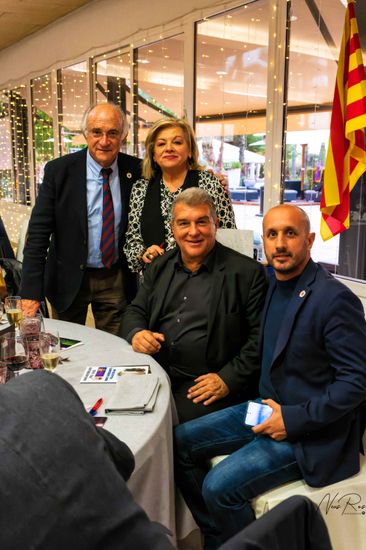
(107, 238)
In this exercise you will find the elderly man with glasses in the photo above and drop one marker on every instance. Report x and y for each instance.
(73, 254)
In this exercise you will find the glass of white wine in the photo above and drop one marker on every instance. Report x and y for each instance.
(49, 349)
(13, 309)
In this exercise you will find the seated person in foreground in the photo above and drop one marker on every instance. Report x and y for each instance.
(62, 478)
(198, 311)
(170, 166)
(313, 376)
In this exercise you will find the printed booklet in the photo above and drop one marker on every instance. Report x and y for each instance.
(111, 375)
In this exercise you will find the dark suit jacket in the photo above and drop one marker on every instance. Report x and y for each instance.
(60, 212)
(236, 303)
(318, 374)
(61, 478)
(296, 523)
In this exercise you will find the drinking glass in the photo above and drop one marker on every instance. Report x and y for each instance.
(49, 347)
(31, 325)
(30, 329)
(13, 309)
(13, 353)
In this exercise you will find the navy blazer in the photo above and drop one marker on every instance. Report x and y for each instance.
(237, 297)
(318, 375)
(60, 213)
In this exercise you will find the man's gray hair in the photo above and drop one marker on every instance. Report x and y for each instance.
(195, 196)
(117, 108)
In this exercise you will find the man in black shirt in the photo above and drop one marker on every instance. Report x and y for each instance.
(198, 311)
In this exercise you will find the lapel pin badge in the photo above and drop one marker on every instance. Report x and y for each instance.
(302, 293)
(129, 175)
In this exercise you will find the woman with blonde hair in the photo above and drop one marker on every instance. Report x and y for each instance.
(170, 166)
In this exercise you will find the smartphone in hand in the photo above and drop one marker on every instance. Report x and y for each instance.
(257, 413)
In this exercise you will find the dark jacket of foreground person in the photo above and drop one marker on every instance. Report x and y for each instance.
(62, 479)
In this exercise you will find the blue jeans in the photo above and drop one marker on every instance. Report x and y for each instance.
(219, 498)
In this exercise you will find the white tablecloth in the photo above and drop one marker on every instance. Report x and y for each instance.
(149, 436)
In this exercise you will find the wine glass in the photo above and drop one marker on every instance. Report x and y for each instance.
(13, 353)
(49, 348)
(1, 312)
(13, 309)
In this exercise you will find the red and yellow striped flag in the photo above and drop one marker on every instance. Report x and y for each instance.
(346, 157)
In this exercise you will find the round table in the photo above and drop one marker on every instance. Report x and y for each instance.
(149, 435)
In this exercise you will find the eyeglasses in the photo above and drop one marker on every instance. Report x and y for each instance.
(111, 134)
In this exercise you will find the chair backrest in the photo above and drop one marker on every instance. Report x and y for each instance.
(240, 240)
(21, 240)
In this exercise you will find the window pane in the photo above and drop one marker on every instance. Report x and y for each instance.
(6, 158)
(314, 51)
(73, 101)
(42, 112)
(113, 83)
(18, 115)
(231, 94)
(160, 79)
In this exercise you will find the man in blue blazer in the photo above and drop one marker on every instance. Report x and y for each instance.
(313, 377)
(62, 257)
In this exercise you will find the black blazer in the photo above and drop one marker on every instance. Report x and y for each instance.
(60, 213)
(294, 523)
(236, 303)
(62, 479)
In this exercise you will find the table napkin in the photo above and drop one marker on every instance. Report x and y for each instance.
(134, 395)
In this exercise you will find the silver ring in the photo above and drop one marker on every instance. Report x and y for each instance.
(149, 256)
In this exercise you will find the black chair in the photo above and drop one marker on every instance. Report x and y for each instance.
(295, 524)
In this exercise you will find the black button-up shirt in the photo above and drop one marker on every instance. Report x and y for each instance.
(184, 320)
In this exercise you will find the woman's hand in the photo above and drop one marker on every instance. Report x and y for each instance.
(151, 253)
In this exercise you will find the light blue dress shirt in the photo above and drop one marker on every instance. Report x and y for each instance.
(94, 198)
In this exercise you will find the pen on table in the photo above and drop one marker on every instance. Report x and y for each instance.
(93, 411)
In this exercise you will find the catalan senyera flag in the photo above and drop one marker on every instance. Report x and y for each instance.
(346, 157)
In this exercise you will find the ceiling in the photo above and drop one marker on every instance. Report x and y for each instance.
(20, 18)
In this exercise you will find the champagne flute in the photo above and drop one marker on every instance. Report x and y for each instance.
(13, 309)
(49, 348)
(13, 353)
